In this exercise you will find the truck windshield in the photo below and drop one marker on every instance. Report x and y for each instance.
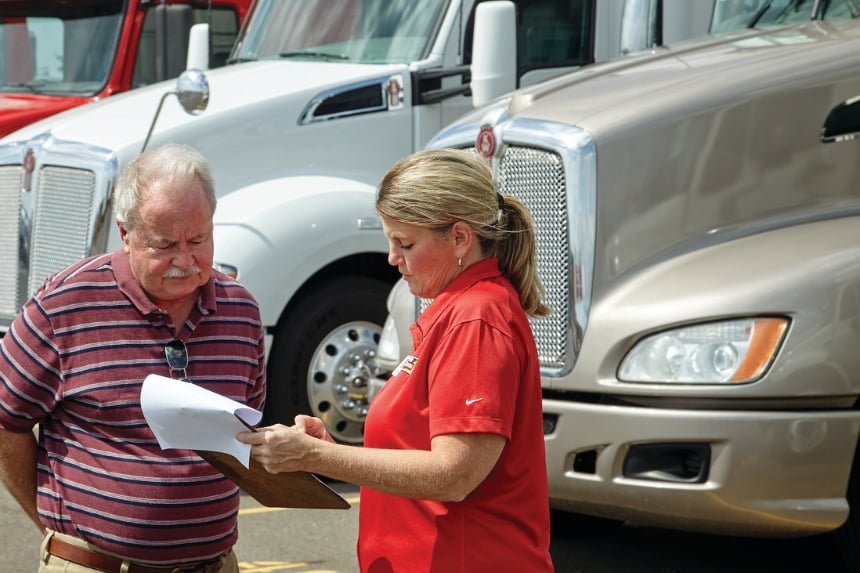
(730, 15)
(62, 48)
(354, 31)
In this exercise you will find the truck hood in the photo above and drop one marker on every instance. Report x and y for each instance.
(286, 86)
(668, 154)
(607, 99)
(20, 110)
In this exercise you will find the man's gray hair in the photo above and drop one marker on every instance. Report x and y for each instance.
(173, 163)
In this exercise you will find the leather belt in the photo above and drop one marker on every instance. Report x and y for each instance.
(108, 564)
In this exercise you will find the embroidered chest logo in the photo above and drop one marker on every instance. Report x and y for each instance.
(406, 366)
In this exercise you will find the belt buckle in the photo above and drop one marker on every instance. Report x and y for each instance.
(193, 568)
(206, 567)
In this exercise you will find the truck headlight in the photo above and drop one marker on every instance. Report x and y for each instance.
(389, 345)
(395, 342)
(228, 270)
(730, 352)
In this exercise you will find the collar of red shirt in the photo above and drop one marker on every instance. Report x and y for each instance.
(484, 269)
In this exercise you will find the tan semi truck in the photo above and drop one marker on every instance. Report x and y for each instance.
(698, 227)
(318, 99)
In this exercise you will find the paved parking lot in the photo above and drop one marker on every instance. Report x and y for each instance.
(275, 540)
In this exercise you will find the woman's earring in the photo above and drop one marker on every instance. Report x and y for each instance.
(460, 262)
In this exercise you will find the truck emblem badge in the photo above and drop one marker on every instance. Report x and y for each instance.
(395, 92)
(486, 141)
(29, 164)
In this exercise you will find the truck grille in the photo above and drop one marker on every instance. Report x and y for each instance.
(61, 217)
(10, 209)
(61, 222)
(536, 177)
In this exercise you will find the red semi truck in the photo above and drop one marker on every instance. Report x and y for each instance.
(58, 54)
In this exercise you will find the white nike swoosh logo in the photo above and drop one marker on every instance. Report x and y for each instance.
(469, 402)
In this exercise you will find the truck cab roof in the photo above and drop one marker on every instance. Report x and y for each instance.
(609, 98)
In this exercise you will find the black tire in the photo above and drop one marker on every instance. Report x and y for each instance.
(569, 524)
(323, 355)
(847, 537)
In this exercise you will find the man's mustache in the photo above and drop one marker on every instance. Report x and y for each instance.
(177, 273)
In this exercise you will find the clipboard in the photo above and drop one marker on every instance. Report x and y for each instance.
(289, 489)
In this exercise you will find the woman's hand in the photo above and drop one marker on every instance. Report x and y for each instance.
(313, 427)
(282, 448)
(453, 467)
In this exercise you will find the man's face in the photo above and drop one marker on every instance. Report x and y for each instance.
(171, 249)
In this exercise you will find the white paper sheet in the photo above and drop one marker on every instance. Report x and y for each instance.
(184, 415)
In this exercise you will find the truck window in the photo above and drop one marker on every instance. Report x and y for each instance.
(223, 28)
(550, 34)
(64, 49)
(357, 31)
(730, 15)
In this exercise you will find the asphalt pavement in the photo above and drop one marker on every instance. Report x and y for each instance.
(275, 540)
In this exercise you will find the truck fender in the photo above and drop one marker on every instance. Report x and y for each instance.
(808, 272)
(311, 250)
(278, 233)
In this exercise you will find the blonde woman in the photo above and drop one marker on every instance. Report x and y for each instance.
(452, 473)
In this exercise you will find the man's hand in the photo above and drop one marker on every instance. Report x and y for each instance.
(18, 470)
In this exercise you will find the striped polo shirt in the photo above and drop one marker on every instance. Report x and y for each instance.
(74, 361)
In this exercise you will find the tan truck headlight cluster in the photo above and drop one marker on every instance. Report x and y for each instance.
(727, 352)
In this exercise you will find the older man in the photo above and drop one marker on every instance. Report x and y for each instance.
(95, 482)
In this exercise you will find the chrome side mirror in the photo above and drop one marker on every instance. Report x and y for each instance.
(192, 91)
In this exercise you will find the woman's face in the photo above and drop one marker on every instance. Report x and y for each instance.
(427, 261)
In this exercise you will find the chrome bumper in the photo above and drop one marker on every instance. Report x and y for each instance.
(767, 473)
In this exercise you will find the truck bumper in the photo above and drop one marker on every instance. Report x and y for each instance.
(761, 473)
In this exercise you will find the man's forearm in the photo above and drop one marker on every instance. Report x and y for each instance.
(18, 470)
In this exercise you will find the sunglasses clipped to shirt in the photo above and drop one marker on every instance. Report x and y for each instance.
(177, 359)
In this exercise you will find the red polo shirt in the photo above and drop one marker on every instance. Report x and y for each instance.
(474, 368)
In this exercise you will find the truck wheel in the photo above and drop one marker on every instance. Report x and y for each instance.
(323, 356)
(566, 523)
(848, 535)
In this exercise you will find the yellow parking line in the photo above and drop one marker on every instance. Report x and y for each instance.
(271, 566)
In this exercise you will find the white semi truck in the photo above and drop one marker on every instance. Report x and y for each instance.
(318, 100)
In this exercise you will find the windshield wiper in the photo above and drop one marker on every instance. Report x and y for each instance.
(312, 54)
(240, 59)
(853, 8)
(758, 15)
(32, 87)
(792, 5)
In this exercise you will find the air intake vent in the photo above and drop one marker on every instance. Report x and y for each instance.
(361, 100)
(354, 100)
(673, 463)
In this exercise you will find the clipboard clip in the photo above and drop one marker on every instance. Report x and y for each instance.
(244, 423)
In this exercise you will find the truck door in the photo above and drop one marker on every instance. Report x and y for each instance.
(553, 36)
(16, 66)
(163, 44)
